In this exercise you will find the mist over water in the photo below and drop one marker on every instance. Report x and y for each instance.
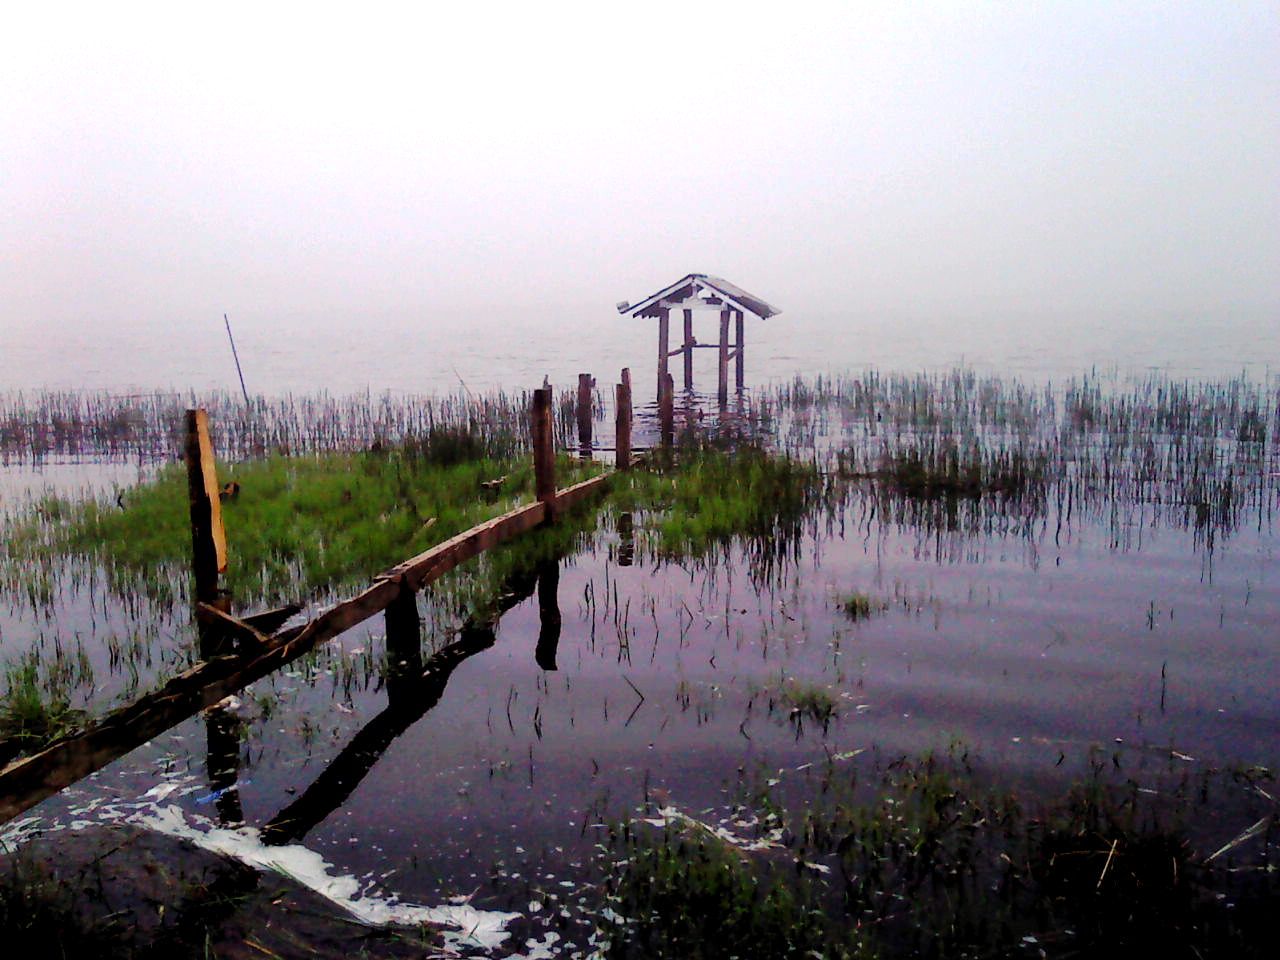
(494, 350)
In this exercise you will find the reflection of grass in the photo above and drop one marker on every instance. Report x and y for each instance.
(946, 469)
(922, 861)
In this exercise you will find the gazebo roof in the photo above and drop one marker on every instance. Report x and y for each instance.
(697, 286)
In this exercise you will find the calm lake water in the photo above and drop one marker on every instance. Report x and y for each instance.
(1038, 640)
(493, 350)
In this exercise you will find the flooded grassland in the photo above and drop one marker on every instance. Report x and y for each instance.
(871, 666)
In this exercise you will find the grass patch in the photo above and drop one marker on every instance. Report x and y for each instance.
(709, 497)
(808, 701)
(297, 525)
(862, 606)
(35, 709)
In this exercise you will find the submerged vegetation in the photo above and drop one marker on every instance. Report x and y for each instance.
(915, 858)
(37, 704)
(710, 497)
(861, 606)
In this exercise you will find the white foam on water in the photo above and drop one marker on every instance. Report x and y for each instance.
(671, 815)
(483, 928)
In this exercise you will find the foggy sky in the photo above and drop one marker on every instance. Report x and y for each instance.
(1040, 160)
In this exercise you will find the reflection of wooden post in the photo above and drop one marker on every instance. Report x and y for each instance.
(585, 387)
(724, 356)
(544, 451)
(688, 349)
(623, 422)
(404, 646)
(627, 540)
(208, 541)
(222, 764)
(667, 409)
(664, 339)
(737, 353)
(549, 614)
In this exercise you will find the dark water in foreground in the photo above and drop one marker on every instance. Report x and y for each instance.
(667, 684)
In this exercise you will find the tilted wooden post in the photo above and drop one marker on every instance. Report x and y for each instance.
(688, 349)
(544, 451)
(737, 353)
(724, 356)
(623, 422)
(586, 385)
(208, 540)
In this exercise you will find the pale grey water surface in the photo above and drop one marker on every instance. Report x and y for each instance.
(515, 349)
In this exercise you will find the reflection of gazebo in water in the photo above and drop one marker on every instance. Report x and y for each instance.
(699, 292)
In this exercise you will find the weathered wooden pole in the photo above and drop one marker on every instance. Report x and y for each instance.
(622, 423)
(737, 353)
(667, 410)
(724, 356)
(688, 349)
(544, 451)
(664, 339)
(208, 540)
(585, 388)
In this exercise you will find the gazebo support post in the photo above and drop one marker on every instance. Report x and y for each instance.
(724, 356)
(664, 332)
(688, 349)
(737, 353)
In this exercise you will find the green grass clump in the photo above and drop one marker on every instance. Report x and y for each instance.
(710, 497)
(809, 701)
(861, 606)
(33, 712)
(690, 896)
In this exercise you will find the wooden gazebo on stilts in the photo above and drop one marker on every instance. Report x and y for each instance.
(699, 292)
